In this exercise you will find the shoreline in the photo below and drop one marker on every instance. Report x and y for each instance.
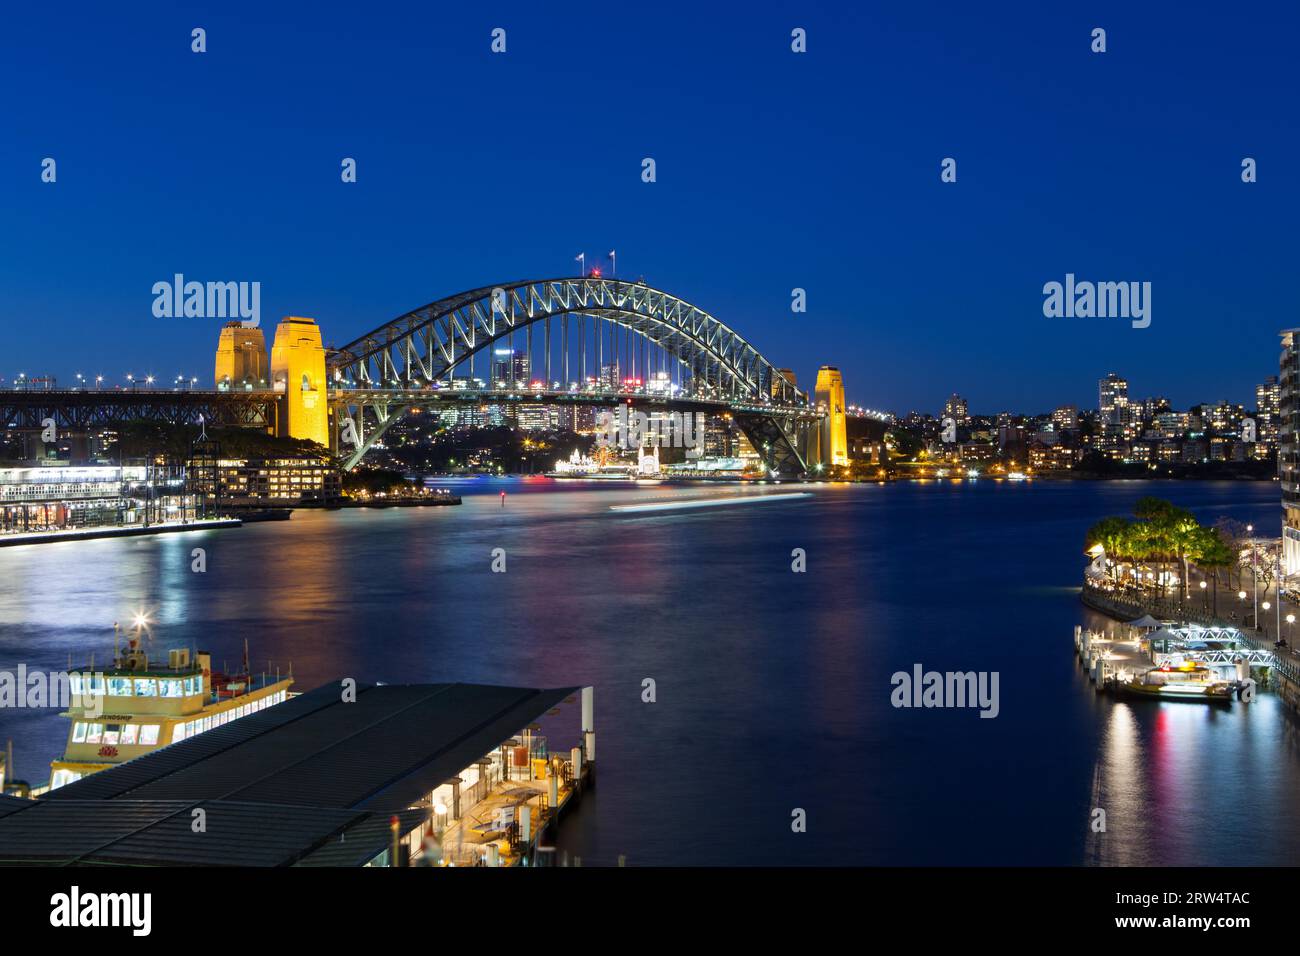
(87, 534)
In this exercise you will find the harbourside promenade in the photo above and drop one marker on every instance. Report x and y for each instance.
(116, 531)
(1131, 605)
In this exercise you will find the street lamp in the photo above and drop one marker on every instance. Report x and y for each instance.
(1254, 572)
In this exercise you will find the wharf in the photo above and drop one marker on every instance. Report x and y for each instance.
(514, 820)
(115, 531)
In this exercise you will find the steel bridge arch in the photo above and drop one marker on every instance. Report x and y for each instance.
(426, 343)
(380, 370)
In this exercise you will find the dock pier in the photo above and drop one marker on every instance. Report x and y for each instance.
(514, 819)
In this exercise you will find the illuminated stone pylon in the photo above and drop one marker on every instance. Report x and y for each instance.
(835, 435)
(241, 358)
(298, 373)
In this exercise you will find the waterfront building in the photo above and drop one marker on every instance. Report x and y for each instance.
(63, 498)
(1054, 457)
(318, 779)
(866, 439)
(977, 451)
(281, 481)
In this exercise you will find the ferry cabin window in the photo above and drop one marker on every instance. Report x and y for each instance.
(171, 688)
(63, 777)
(119, 686)
(79, 732)
(129, 733)
(96, 685)
(178, 733)
(193, 685)
(149, 734)
(112, 734)
(146, 687)
(94, 733)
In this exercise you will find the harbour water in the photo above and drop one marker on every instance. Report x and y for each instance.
(772, 687)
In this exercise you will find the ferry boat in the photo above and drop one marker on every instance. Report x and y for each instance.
(1189, 681)
(139, 705)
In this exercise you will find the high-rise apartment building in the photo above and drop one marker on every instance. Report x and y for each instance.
(1288, 455)
(1112, 400)
(956, 409)
(1268, 406)
(510, 368)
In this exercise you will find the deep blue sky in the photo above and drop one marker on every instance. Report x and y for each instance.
(775, 170)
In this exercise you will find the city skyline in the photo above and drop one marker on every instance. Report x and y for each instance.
(907, 278)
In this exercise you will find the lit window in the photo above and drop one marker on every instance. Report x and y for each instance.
(119, 686)
(146, 687)
(178, 733)
(170, 688)
(149, 734)
(79, 733)
(129, 733)
(112, 733)
(94, 733)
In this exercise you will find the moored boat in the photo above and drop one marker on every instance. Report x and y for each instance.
(139, 705)
(1190, 681)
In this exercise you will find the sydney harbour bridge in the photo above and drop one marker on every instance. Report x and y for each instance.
(670, 356)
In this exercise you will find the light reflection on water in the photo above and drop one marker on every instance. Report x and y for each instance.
(773, 687)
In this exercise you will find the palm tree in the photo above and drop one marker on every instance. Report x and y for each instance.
(1215, 553)
(1112, 534)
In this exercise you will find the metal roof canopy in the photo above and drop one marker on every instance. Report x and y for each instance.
(153, 832)
(392, 746)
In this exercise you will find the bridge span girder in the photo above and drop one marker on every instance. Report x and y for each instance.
(786, 436)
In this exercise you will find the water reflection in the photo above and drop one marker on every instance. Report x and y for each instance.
(772, 687)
